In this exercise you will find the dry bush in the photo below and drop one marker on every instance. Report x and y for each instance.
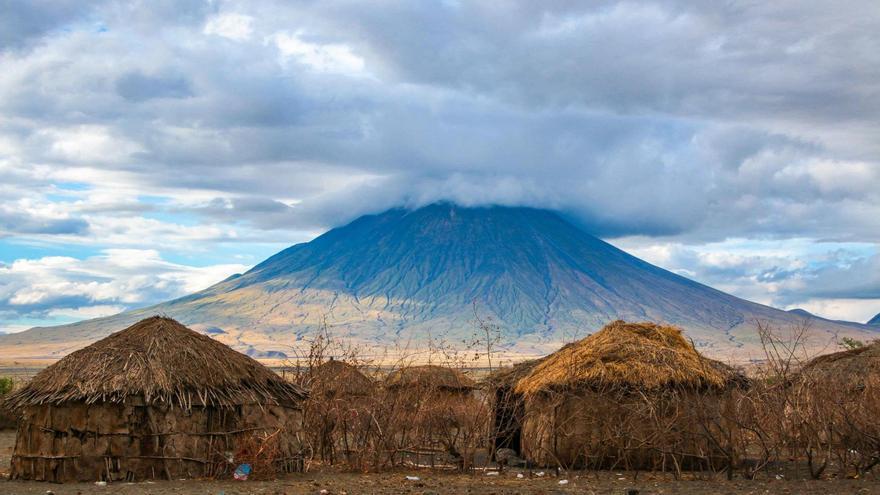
(784, 420)
(262, 450)
(796, 418)
(429, 423)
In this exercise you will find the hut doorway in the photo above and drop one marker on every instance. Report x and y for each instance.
(509, 414)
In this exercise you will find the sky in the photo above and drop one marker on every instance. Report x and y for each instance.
(151, 148)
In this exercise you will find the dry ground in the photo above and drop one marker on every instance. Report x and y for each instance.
(436, 483)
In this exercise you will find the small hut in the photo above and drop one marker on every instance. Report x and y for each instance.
(338, 408)
(156, 400)
(437, 411)
(334, 379)
(834, 401)
(620, 398)
(851, 370)
(430, 377)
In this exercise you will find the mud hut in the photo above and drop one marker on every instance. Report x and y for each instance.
(156, 400)
(334, 379)
(338, 408)
(834, 401)
(622, 398)
(430, 377)
(437, 411)
(852, 370)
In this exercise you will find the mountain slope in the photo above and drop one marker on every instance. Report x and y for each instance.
(406, 276)
(875, 321)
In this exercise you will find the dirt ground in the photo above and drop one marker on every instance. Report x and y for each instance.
(437, 483)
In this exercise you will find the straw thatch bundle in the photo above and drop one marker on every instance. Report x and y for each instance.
(643, 356)
(159, 361)
(339, 379)
(431, 377)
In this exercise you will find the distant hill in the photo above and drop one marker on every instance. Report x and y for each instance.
(875, 321)
(801, 312)
(410, 276)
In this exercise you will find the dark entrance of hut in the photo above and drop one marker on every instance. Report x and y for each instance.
(509, 413)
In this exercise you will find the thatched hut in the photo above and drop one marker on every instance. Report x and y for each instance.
(832, 410)
(621, 397)
(335, 379)
(850, 370)
(156, 400)
(430, 377)
(436, 409)
(338, 408)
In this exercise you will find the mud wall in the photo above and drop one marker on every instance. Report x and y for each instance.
(80, 442)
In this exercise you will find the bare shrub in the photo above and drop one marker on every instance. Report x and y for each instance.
(426, 419)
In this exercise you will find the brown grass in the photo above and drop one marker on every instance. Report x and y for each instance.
(642, 356)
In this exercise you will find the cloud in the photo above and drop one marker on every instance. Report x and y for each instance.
(329, 57)
(24, 22)
(23, 217)
(833, 280)
(117, 279)
(236, 27)
(184, 125)
(136, 86)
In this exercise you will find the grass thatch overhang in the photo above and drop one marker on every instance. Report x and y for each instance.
(429, 376)
(853, 368)
(629, 356)
(508, 376)
(334, 377)
(158, 361)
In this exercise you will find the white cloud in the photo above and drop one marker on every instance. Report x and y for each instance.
(87, 144)
(236, 27)
(860, 310)
(117, 279)
(330, 57)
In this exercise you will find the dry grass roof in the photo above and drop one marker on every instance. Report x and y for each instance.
(507, 376)
(855, 367)
(643, 356)
(159, 361)
(340, 378)
(429, 376)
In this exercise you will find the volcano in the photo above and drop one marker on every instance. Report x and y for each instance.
(420, 277)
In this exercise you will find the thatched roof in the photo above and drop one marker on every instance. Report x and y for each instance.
(643, 356)
(158, 361)
(429, 376)
(507, 376)
(854, 367)
(339, 378)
